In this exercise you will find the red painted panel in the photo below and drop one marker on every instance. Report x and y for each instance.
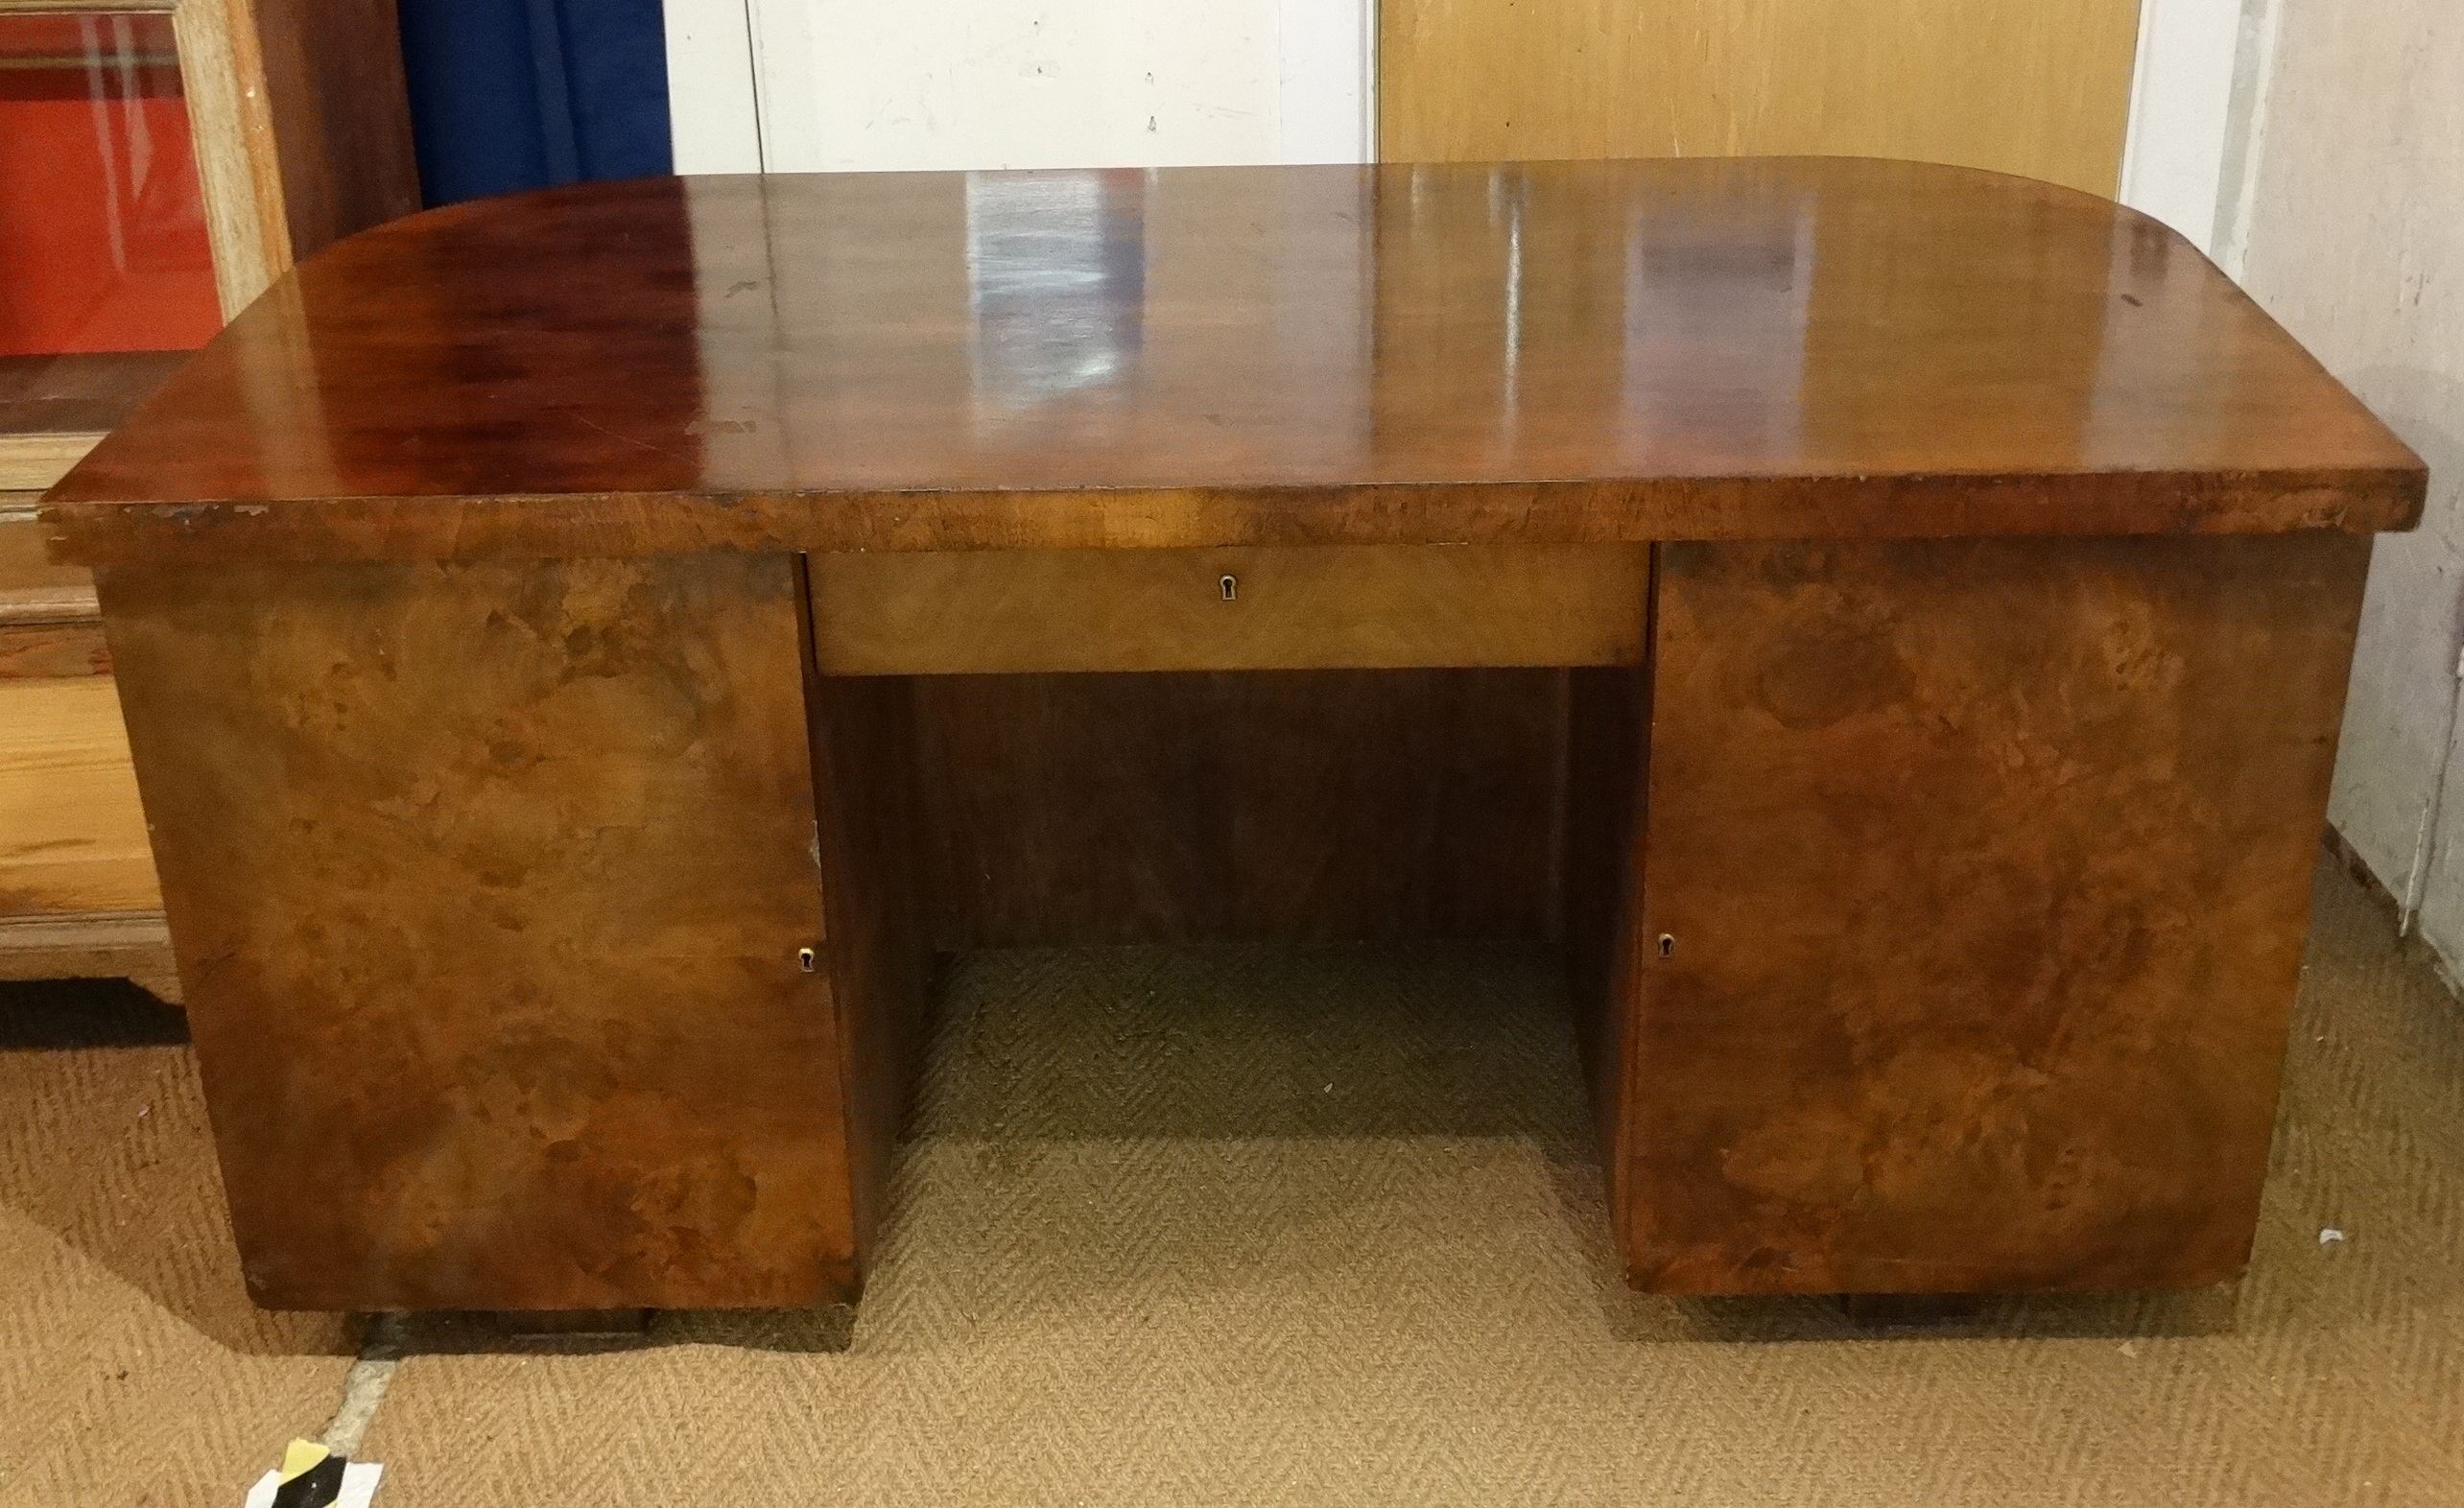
(103, 244)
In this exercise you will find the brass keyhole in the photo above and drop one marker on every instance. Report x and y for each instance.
(1229, 586)
(1667, 945)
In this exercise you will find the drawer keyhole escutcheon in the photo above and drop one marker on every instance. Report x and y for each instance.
(1229, 586)
(806, 960)
(1667, 945)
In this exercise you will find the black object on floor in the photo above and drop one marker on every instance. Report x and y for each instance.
(86, 1013)
(314, 1488)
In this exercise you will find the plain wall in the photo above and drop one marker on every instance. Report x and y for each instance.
(856, 84)
(2355, 242)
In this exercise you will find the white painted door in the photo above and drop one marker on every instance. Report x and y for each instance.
(2196, 102)
(810, 85)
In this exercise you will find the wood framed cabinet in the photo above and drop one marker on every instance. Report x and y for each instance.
(161, 164)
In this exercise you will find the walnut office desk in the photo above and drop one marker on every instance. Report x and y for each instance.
(586, 653)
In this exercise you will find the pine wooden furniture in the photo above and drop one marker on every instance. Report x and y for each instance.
(1886, 625)
(192, 149)
(1985, 83)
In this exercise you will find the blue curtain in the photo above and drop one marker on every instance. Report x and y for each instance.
(516, 94)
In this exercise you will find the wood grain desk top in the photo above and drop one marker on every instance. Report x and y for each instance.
(1543, 352)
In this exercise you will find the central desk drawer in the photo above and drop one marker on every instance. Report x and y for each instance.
(1268, 607)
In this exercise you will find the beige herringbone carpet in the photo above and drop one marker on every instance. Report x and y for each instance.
(1286, 1228)
(133, 1368)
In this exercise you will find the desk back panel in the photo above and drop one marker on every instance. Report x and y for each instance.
(488, 884)
(1241, 806)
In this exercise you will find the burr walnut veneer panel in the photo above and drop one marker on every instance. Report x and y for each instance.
(488, 884)
(1986, 865)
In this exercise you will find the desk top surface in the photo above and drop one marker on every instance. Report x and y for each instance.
(1537, 351)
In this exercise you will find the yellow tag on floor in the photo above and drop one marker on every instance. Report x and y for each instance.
(298, 1456)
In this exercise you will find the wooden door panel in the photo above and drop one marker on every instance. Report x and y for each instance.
(489, 882)
(1985, 869)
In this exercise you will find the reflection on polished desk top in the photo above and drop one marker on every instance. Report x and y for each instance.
(1538, 352)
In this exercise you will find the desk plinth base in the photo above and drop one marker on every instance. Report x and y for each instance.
(1935, 908)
